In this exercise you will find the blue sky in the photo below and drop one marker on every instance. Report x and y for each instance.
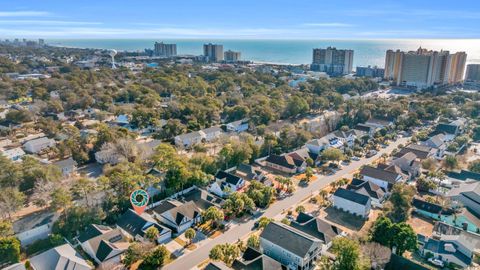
(249, 19)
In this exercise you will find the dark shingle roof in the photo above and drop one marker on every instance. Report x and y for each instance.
(283, 161)
(229, 178)
(104, 249)
(351, 196)
(366, 188)
(430, 207)
(254, 260)
(447, 128)
(91, 231)
(464, 175)
(217, 266)
(135, 224)
(421, 151)
(291, 239)
(316, 227)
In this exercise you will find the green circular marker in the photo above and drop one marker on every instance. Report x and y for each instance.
(139, 199)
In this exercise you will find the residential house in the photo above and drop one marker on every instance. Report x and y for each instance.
(286, 164)
(352, 202)
(17, 266)
(451, 130)
(377, 194)
(202, 199)
(367, 129)
(437, 142)
(379, 123)
(61, 257)
(467, 194)
(253, 259)
(347, 137)
(238, 126)
(383, 176)
(409, 164)
(188, 139)
(67, 166)
(430, 210)
(451, 248)
(103, 244)
(316, 146)
(211, 133)
(135, 226)
(317, 228)
(226, 183)
(421, 151)
(122, 120)
(248, 172)
(36, 145)
(289, 246)
(14, 154)
(176, 215)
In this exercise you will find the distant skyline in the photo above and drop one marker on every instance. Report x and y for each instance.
(246, 19)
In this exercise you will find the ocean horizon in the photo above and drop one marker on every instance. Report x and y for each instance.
(366, 52)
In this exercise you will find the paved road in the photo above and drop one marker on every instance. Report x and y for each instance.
(191, 260)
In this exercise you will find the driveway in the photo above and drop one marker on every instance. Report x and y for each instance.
(192, 259)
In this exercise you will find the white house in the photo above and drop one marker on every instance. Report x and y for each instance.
(135, 226)
(468, 194)
(104, 244)
(61, 257)
(289, 246)
(177, 215)
(384, 177)
(352, 202)
(36, 145)
(67, 166)
(225, 183)
(437, 142)
(238, 126)
(211, 133)
(317, 228)
(318, 145)
(377, 194)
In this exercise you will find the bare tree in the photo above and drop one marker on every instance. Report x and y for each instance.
(379, 255)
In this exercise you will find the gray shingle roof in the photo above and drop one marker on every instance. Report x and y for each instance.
(291, 239)
(381, 174)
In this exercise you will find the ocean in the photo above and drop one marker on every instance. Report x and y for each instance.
(366, 52)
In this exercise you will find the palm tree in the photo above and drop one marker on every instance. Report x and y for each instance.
(190, 234)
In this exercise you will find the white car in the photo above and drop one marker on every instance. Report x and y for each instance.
(436, 262)
(355, 158)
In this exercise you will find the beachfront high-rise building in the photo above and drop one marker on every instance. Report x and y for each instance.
(473, 73)
(165, 50)
(332, 61)
(232, 56)
(424, 68)
(213, 52)
(374, 72)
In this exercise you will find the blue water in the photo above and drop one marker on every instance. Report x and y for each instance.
(366, 52)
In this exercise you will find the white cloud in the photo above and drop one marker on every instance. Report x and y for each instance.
(333, 24)
(25, 13)
(47, 22)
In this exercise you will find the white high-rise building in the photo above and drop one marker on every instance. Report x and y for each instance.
(423, 68)
(332, 61)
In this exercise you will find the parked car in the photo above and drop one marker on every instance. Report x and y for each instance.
(355, 158)
(436, 262)
(371, 153)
